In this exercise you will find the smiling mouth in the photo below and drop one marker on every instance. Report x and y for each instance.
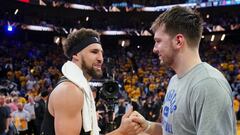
(98, 67)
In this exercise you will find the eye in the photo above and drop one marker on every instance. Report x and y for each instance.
(157, 41)
(95, 51)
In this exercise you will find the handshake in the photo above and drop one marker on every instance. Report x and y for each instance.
(134, 123)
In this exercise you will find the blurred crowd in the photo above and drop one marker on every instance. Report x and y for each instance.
(29, 71)
(110, 2)
(103, 20)
(148, 3)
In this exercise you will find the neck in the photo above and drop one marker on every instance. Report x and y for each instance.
(186, 61)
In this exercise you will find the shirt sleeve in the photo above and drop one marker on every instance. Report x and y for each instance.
(212, 108)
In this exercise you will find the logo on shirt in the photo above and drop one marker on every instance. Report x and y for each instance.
(168, 108)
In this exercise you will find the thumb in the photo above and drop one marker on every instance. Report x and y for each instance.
(128, 113)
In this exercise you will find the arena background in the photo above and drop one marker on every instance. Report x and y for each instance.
(32, 33)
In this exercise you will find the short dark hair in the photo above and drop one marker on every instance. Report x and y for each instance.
(181, 20)
(76, 37)
(44, 93)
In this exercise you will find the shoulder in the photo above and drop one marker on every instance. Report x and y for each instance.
(65, 90)
(38, 103)
(5, 110)
(67, 97)
(204, 75)
(25, 112)
(41, 102)
(207, 71)
(213, 90)
(211, 85)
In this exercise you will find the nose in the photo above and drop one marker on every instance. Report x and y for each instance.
(155, 49)
(100, 57)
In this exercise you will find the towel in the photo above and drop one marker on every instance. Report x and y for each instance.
(73, 73)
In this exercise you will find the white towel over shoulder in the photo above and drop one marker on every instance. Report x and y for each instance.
(72, 72)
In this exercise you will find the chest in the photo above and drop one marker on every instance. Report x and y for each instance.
(176, 114)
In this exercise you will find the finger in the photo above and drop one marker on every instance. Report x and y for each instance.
(139, 130)
(136, 119)
(137, 126)
(135, 113)
(128, 113)
(142, 122)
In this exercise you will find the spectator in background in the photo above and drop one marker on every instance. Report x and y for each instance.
(39, 109)
(4, 116)
(119, 111)
(32, 123)
(21, 118)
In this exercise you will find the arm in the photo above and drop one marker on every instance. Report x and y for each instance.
(66, 103)
(8, 120)
(8, 124)
(152, 128)
(211, 108)
(128, 126)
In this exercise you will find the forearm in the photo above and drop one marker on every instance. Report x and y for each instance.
(154, 129)
(8, 123)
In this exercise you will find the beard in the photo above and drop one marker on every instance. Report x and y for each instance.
(94, 73)
(167, 60)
